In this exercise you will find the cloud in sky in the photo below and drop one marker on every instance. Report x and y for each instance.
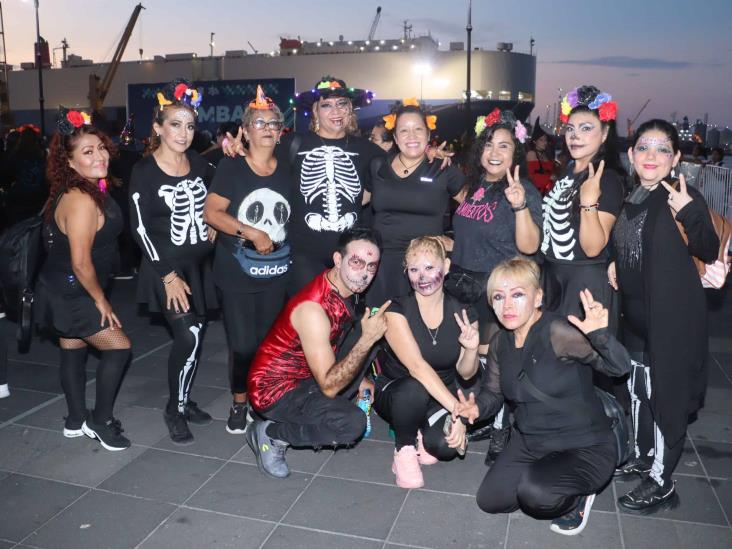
(627, 62)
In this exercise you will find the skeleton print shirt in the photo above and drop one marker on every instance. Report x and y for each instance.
(330, 177)
(562, 217)
(262, 202)
(166, 213)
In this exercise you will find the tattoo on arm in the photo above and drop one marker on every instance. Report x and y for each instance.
(342, 373)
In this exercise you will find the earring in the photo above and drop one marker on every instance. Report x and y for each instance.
(317, 125)
(278, 141)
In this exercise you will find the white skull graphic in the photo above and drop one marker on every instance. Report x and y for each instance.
(266, 210)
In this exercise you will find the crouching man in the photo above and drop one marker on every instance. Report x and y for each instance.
(295, 379)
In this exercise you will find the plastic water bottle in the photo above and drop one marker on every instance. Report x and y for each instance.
(365, 404)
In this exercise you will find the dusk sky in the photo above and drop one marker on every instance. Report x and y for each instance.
(677, 53)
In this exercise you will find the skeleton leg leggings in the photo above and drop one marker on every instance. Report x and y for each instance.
(650, 445)
(187, 332)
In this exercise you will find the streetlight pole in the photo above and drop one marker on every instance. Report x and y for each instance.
(211, 44)
(469, 29)
(39, 66)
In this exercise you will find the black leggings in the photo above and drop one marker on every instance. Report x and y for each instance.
(187, 330)
(3, 358)
(247, 319)
(545, 485)
(305, 267)
(650, 444)
(407, 406)
(305, 417)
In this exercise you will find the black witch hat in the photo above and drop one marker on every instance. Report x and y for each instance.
(538, 131)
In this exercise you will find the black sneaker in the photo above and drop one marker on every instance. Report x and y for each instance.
(108, 434)
(195, 415)
(575, 521)
(633, 466)
(497, 442)
(239, 419)
(649, 496)
(72, 427)
(178, 428)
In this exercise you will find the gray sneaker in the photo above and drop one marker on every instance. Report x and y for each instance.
(270, 453)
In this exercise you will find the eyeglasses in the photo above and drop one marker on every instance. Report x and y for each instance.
(341, 104)
(357, 264)
(260, 124)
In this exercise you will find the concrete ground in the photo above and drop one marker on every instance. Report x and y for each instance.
(57, 492)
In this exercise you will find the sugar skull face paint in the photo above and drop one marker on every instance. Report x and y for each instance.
(653, 157)
(515, 303)
(426, 272)
(358, 267)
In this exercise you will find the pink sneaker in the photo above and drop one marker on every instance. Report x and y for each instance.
(406, 468)
(424, 457)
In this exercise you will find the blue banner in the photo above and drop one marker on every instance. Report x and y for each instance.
(223, 101)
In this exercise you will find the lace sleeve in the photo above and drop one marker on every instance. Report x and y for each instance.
(490, 398)
(598, 349)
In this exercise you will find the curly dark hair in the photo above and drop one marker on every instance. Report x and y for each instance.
(62, 177)
(476, 171)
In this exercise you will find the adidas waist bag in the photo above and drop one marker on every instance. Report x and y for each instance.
(257, 265)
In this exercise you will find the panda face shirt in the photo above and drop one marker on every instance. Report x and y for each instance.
(262, 202)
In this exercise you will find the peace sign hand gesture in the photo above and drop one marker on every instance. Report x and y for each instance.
(469, 338)
(677, 199)
(590, 189)
(596, 316)
(515, 192)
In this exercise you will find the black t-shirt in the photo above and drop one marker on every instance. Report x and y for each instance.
(562, 217)
(414, 206)
(439, 347)
(329, 178)
(262, 202)
(485, 226)
(167, 213)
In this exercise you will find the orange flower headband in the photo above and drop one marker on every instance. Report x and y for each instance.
(261, 102)
(390, 119)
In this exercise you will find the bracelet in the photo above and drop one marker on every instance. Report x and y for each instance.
(172, 278)
(519, 208)
(590, 207)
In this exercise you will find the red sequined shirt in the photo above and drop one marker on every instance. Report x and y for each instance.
(280, 365)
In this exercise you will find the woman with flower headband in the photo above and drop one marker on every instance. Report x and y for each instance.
(499, 219)
(167, 195)
(409, 196)
(249, 205)
(664, 310)
(431, 338)
(581, 208)
(81, 227)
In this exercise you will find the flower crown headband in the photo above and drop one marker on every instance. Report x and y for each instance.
(390, 119)
(262, 102)
(182, 93)
(68, 121)
(497, 116)
(593, 99)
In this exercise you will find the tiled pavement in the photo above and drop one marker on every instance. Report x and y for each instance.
(57, 492)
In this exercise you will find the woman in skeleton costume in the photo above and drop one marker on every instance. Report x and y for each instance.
(432, 337)
(562, 449)
(82, 223)
(664, 309)
(499, 219)
(581, 209)
(167, 195)
(409, 196)
(249, 205)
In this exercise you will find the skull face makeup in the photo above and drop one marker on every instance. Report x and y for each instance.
(515, 303)
(653, 157)
(358, 266)
(426, 272)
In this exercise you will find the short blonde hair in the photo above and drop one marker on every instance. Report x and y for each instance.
(431, 244)
(521, 268)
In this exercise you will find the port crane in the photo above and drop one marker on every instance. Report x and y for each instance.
(635, 119)
(375, 23)
(99, 88)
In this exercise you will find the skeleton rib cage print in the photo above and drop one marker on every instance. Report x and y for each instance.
(329, 175)
(557, 230)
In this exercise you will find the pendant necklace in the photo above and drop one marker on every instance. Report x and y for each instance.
(433, 337)
(407, 168)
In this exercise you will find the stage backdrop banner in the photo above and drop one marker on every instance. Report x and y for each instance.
(223, 101)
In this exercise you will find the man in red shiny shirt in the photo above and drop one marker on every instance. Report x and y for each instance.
(295, 379)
